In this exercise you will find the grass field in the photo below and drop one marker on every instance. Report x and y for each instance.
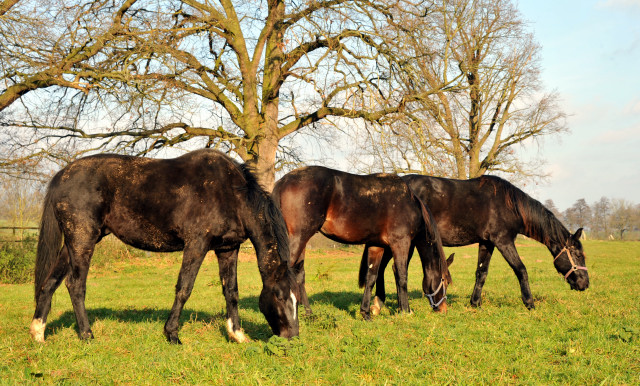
(590, 337)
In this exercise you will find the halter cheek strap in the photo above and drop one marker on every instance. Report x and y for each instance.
(574, 267)
(435, 305)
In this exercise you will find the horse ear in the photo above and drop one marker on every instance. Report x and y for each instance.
(576, 236)
(450, 260)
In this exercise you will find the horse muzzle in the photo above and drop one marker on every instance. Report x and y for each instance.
(289, 332)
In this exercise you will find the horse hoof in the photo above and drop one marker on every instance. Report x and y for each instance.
(236, 335)
(366, 316)
(172, 338)
(87, 335)
(37, 330)
(239, 336)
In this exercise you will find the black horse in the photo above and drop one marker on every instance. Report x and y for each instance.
(198, 202)
(376, 210)
(492, 212)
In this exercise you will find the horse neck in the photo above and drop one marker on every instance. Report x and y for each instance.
(550, 232)
(271, 254)
(267, 252)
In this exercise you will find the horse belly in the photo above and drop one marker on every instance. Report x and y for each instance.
(143, 234)
(348, 233)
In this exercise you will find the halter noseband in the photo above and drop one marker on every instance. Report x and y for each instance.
(435, 305)
(574, 267)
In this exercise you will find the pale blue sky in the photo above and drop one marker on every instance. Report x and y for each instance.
(591, 56)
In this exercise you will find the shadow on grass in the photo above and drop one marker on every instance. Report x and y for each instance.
(260, 331)
(345, 300)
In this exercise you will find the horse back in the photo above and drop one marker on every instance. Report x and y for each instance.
(346, 207)
(467, 211)
(153, 204)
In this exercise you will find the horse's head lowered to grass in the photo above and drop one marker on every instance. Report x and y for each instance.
(570, 263)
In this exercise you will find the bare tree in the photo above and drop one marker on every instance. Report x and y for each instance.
(237, 75)
(475, 126)
(601, 215)
(549, 204)
(621, 216)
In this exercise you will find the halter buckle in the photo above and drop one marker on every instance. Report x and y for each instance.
(574, 266)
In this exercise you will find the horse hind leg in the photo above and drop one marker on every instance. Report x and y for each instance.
(380, 297)
(43, 302)
(485, 250)
(80, 252)
(374, 258)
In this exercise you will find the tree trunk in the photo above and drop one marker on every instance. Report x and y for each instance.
(265, 161)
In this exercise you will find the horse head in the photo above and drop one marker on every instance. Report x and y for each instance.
(570, 263)
(435, 288)
(279, 304)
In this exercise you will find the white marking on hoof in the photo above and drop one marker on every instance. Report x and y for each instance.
(376, 307)
(37, 330)
(295, 306)
(237, 335)
(370, 266)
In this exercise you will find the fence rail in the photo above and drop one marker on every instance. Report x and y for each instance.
(14, 229)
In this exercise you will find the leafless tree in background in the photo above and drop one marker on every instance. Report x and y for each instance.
(142, 75)
(498, 103)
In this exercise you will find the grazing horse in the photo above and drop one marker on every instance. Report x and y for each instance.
(492, 212)
(198, 202)
(377, 210)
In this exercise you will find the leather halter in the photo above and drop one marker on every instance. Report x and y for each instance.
(574, 266)
(435, 305)
(425, 215)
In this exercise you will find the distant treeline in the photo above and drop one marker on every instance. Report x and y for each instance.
(604, 219)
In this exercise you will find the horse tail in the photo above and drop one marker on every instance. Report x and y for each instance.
(364, 268)
(264, 205)
(49, 244)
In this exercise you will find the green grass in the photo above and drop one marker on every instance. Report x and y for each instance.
(590, 337)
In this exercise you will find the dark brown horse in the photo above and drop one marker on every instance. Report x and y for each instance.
(492, 212)
(377, 210)
(198, 202)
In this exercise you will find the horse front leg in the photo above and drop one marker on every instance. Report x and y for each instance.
(228, 267)
(297, 244)
(193, 255)
(374, 257)
(485, 250)
(510, 254)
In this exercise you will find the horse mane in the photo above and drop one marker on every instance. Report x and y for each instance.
(539, 222)
(262, 203)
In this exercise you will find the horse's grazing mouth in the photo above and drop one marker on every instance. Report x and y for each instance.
(576, 287)
(578, 284)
